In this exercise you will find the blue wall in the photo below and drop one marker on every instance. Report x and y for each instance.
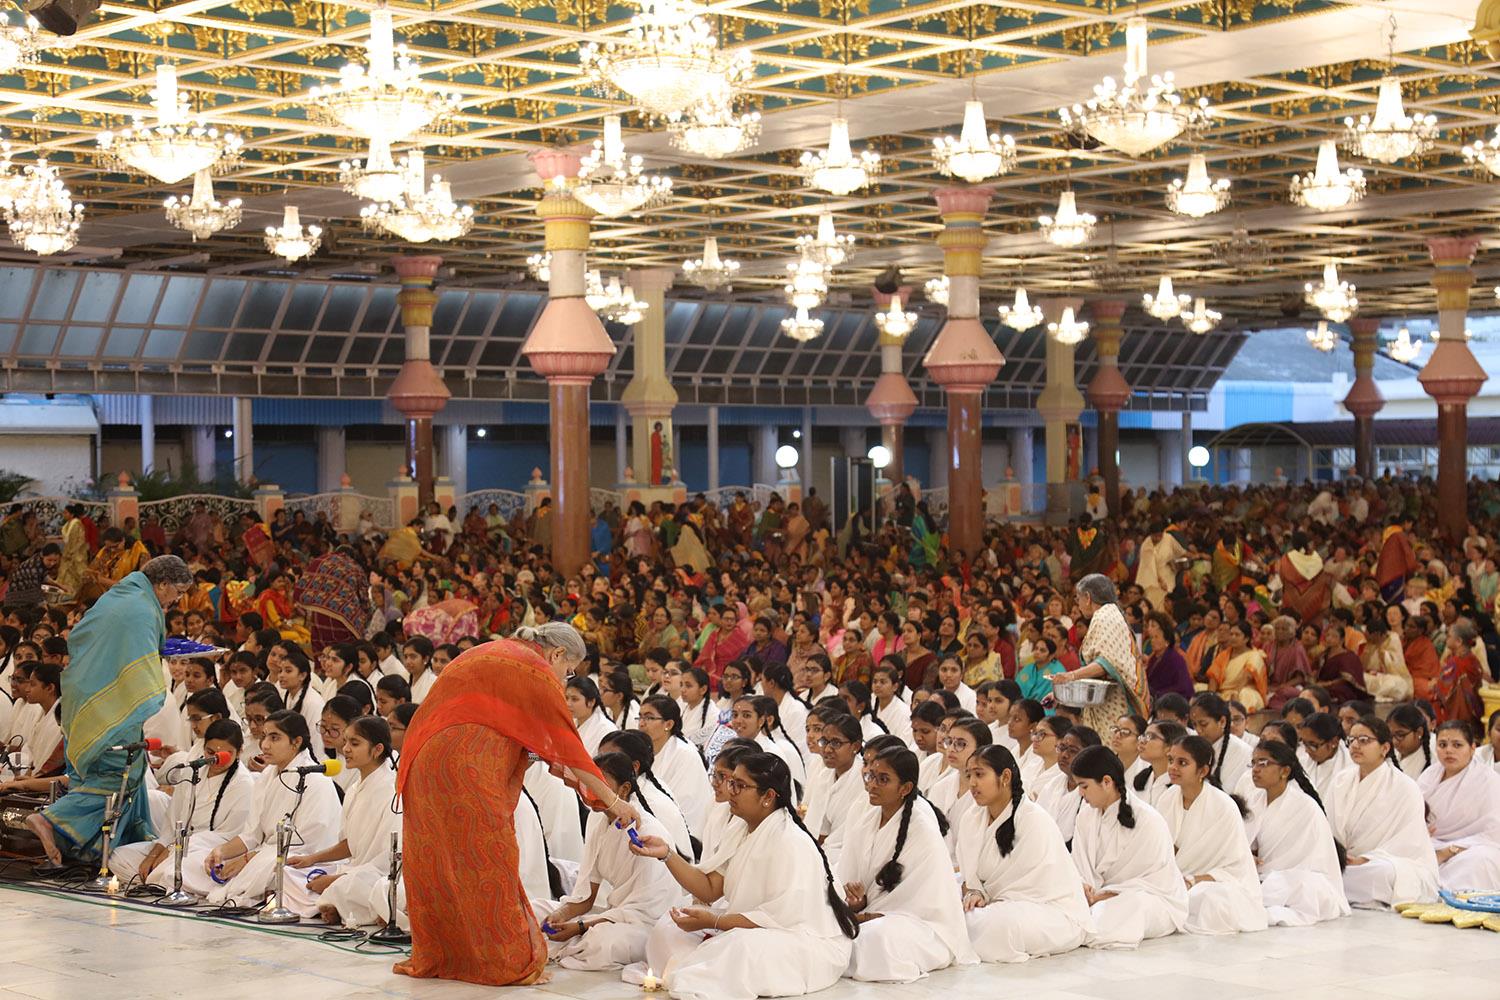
(505, 465)
(292, 465)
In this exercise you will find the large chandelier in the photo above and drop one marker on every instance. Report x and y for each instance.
(613, 301)
(825, 246)
(837, 169)
(1327, 188)
(175, 148)
(202, 214)
(292, 241)
(802, 327)
(711, 271)
(1403, 348)
(1200, 318)
(1392, 134)
(712, 130)
(420, 215)
(386, 100)
(377, 178)
(668, 60)
(807, 283)
(895, 322)
(1069, 227)
(1195, 195)
(1484, 154)
(11, 180)
(1021, 314)
(540, 266)
(1068, 330)
(1323, 338)
(936, 290)
(20, 41)
(1142, 113)
(613, 183)
(41, 213)
(977, 154)
(1166, 303)
(1333, 298)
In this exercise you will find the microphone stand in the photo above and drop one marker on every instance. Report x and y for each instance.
(179, 848)
(114, 808)
(391, 933)
(274, 912)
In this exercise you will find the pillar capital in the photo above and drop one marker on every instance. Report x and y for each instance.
(555, 167)
(416, 299)
(568, 344)
(883, 299)
(1453, 251)
(962, 239)
(418, 391)
(891, 401)
(1107, 330)
(963, 357)
(1363, 342)
(650, 280)
(417, 269)
(1052, 308)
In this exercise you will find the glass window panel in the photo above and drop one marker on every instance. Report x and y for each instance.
(139, 298)
(499, 354)
(801, 364)
(707, 326)
(517, 315)
(7, 336)
(303, 308)
(180, 300)
(458, 351)
(325, 350)
(162, 344)
(827, 363)
(737, 325)
(445, 315)
(124, 341)
(719, 362)
(341, 308)
(55, 294)
(749, 362)
(689, 359)
(362, 351)
(38, 339)
(97, 297)
(625, 358)
(15, 289)
(379, 312)
(220, 303)
(287, 348)
(244, 347)
(201, 345)
(767, 327)
(82, 341)
(394, 352)
(261, 305)
(679, 319)
(482, 306)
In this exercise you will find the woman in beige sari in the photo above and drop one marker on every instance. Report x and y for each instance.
(1386, 675)
(1241, 676)
(1108, 653)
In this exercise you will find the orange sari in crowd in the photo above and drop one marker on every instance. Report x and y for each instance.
(459, 780)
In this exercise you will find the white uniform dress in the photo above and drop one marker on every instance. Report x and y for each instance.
(1322, 775)
(680, 768)
(1236, 761)
(1381, 817)
(207, 813)
(312, 711)
(829, 819)
(368, 821)
(1034, 904)
(1138, 864)
(1465, 812)
(790, 755)
(897, 718)
(558, 805)
(661, 805)
(593, 729)
(1300, 882)
(1210, 838)
(699, 721)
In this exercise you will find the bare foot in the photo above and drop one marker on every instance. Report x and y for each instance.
(329, 914)
(39, 825)
(545, 976)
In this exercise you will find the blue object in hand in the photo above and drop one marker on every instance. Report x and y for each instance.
(548, 929)
(634, 837)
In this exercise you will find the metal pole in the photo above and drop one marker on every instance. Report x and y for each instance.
(274, 912)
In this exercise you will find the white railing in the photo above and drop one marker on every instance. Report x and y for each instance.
(174, 512)
(49, 510)
(599, 498)
(330, 505)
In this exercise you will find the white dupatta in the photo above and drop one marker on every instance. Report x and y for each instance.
(1465, 808)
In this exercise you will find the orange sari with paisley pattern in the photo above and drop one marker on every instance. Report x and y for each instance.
(459, 780)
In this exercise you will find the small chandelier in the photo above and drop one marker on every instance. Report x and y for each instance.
(377, 178)
(826, 246)
(1069, 227)
(540, 266)
(175, 148)
(1323, 338)
(19, 43)
(1333, 298)
(1484, 154)
(292, 241)
(1403, 348)
(11, 180)
(807, 283)
(1021, 314)
(936, 290)
(976, 154)
(668, 60)
(1166, 303)
(41, 213)
(1242, 250)
(420, 215)
(612, 183)
(386, 100)
(1143, 113)
(612, 300)
(202, 214)
(895, 322)
(712, 130)
(1196, 196)
(1327, 188)
(1391, 135)
(802, 327)
(837, 170)
(711, 271)
(1200, 319)
(1068, 330)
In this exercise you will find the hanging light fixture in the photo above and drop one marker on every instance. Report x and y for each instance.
(825, 246)
(1196, 195)
(1068, 330)
(21, 39)
(807, 283)
(1200, 318)
(175, 148)
(1392, 134)
(1069, 227)
(1142, 113)
(41, 214)
(802, 327)
(612, 300)
(1021, 314)
(613, 183)
(1484, 154)
(1403, 348)
(1242, 250)
(1166, 303)
(1323, 338)
(837, 169)
(895, 321)
(421, 214)
(668, 59)
(1333, 298)
(387, 99)
(977, 154)
(377, 178)
(292, 241)
(11, 179)
(1327, 188)
(936, 290)
(711, 271)
(202, 214)
(540, 266)
(712, 130)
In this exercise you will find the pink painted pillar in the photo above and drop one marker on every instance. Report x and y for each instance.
(1364, 399)
(1109, 392)
(418, 393)
(891, 400)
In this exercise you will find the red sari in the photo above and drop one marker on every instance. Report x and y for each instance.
(460, 778)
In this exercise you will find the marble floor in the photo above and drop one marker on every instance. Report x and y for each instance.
(72, 949)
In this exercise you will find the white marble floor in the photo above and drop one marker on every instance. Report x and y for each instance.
(69, 949)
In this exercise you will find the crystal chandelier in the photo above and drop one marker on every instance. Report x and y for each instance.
(377, 178)
(1484, 154)
(1110, 272)
(1333, 298)
(386, 100)
(41, 213)
(1069, 227)
(1392, 134)
(977, 154)
(1200, 319)
(19, 42)
(612, 183)
(613, 301)
(1242, 250)
(292, 241)
(936, 290)
(1323, 338)
(1327, 188)
(11, 180)
(711, 271)
(837, 169)
(807, 283)
(202, 214)
(1196, 196)
(895, 321)
(668, 59)
(1166, 303)
(712, 130)
(540, 266)
(826, 246)
(1021, 314)
(802, 327)
(1068, 330)
(1403, 348)
(175, 148)
(1143, 113)
(420, 215)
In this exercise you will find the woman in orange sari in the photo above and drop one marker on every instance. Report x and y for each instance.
(462, 765)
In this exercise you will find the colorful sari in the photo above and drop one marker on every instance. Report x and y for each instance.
(1455, 693)
(1110, 644)
(1397, 561)
(444, 622)
(1225, 568)
(1306, 590)
(258, 545)
(460, 779)
(334, 597)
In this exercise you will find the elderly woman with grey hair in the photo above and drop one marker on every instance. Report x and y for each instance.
(1108, 653)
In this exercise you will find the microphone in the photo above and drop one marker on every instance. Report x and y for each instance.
(221, 759)
(328, 767)
(151, 744)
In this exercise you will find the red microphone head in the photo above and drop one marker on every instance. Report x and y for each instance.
(153, 744)
(223, 758)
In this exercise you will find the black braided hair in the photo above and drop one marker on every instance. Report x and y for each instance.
(1098, 763)
(859, 692)
(637, 746)
(1202, 753)
(620, 683)
(1412, 717)
(1382, 733)
(619, 768)
(554, 876)
(293, 652)
(999, 759)
(701, 676)
(227, 732)
(1285, 755)
(781, 675)
(904, 764)
(1216, 707)
(666, 706)
(765, 707)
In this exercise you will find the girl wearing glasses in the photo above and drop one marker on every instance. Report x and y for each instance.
(678, 763)
(723, 830)
(754, 717)
(1294, 849)
(965, 736)
(1463, 801)
(1125, 741)
(1044, 743)
(649, 791)
(1063, 801)
(844, 792)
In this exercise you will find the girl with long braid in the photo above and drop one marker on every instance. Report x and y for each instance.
(700, 716)
(754, 717)
(784, 930)
(1300, 881)
(1211, 719)
(650, 793)
(897, 877)
(843, 797)
(678, 763)
(295, 682)
(1021, 893)
(1411, 734)
(857, 694)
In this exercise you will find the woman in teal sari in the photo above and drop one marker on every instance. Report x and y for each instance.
(113, 684)
(1035, 678)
